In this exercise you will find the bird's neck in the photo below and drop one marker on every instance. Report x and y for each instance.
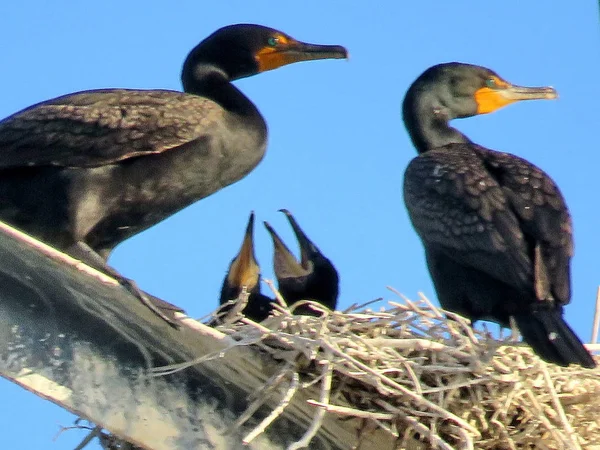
(429, 130)
(208, 81)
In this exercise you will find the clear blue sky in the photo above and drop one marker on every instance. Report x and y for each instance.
(337, 146)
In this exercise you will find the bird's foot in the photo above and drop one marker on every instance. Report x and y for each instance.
(88, 255)
(132, 287)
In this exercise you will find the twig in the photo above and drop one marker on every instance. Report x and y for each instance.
(418, 427)
(407, 344)
(596, 323)
(541, 416)
(413, 396)
(262, 426)
(275, 291)
(351, 412)
(94, 432)
(357, 306)
(270, 385)
(559, 409)
(327, 372)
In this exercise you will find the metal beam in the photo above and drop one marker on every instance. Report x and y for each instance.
(76, 337)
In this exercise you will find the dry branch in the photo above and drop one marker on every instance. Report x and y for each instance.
(420, 377)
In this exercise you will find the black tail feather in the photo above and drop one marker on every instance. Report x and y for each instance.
(552, 339)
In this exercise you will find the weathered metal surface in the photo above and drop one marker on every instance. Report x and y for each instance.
(75, 337)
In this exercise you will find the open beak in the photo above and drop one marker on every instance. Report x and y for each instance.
(306, 245)
(244, 270)
(285, 263)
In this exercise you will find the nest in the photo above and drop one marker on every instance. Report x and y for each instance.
(428, 378)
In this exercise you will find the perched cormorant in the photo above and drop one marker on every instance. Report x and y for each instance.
(244, 272)
(313, 278)
(496, 230)
(88, 170)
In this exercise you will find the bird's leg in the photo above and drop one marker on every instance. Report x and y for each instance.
(88, 255)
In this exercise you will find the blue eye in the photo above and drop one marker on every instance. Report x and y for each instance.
(273, 41)
(491, 83)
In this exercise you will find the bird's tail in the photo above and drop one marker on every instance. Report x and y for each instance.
(552, 339)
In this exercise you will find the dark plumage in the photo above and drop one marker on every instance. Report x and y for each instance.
(496, 229)
(244, 273)
(313, 278)
(88, 170)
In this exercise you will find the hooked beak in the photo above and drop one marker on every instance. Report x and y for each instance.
(310, 52)
(491, 99)
(292, 51)
(518, 93)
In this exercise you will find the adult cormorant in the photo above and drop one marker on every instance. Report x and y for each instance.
(88, 170)
(244, 273)
(496, 229)
(312, 278)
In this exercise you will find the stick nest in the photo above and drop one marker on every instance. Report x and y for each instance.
(428, 378)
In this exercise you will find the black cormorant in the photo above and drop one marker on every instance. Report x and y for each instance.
(86, 171)
(496, 230)
(244, 273)
(313, 278)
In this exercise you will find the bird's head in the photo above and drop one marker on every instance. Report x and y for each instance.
(456, 90)
(243, 50)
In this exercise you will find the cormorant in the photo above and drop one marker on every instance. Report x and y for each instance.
(244, 273)
(88, 170)
(313, 278)
(496, 230)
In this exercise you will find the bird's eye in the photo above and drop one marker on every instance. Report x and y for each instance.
(491, 83)
(273, 41)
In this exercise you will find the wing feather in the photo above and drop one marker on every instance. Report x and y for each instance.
(95, 128)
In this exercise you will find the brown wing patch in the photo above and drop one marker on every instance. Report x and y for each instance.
(94, 128)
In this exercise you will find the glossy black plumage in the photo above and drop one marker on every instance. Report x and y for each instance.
(312, 278)
(244, 273)
(86, 171)
(496, 230)
(100, 166)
